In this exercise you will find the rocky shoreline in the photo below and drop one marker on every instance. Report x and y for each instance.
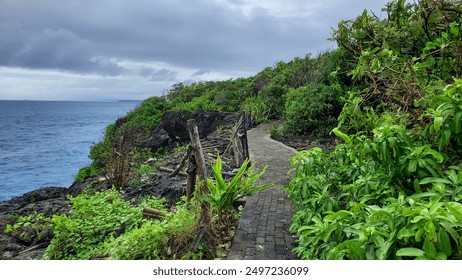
(49, 201)
(30, 245)
(171, 132)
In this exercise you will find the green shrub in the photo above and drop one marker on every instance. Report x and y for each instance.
(34, 224)
(277, 132)
(370, 199)
(274, 95)
(445, 115)
(260, 111)
(95, 219)
(148, 114)
(150, 240)
(203, 102)
(312, 108)
(146, 242)
(182, 149)
(145, 169)
(87, 171)
(82, 174)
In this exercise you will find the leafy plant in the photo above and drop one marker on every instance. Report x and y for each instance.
(224, 194)
(260, 111)
(30, 225)
(352, 203)
(277, 132)
(150, 240)
(94, 220)
(445, 113)
(181, 149)
(88, 171)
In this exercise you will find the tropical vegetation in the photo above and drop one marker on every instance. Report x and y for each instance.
(390, 94)
(391, 189)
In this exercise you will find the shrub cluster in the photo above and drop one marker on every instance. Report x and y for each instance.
(103, 225)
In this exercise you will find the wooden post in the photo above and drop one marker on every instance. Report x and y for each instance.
(245, 144)
(191, 177)
(236, 144)
(201, 170)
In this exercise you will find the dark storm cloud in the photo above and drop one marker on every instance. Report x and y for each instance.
(78, 35)
(199, 73)
(158, 74)
(50, 48)
(209, 36)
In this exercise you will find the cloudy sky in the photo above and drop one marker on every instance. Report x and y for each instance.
(132, 49)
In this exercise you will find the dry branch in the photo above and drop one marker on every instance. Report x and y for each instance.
(153, 213)
(171, 171)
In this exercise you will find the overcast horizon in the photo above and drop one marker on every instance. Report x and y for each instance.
(130, 50)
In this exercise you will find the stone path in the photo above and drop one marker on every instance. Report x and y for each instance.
(263, 231)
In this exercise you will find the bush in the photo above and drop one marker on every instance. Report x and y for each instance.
(88, 171)
(277, 132)
(203, 102)
(148, 114)
(150, 240)
(29, 226)
(273, 95)
(376, 197)
(312, 108)
(260, 111)
(95, 219)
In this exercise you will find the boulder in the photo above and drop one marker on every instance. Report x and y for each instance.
(172, 129)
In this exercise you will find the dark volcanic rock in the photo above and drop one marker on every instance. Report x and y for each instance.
(171, 188)
(48, 200)
(95, 183)
(172, 127)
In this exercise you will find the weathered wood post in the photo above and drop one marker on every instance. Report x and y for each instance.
(201, 170)
(236, 144)
(245, 144)
(191, 176)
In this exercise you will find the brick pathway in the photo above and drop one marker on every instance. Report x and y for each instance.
(263, 231)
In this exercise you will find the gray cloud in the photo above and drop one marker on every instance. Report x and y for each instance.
(199, 73)
(158, 74)
(50, 48)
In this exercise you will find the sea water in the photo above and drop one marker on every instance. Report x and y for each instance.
(44, 143)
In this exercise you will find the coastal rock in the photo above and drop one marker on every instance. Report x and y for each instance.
(47, 200)
(28, 245)
(96, 183)
(172, 129)
(171, 188)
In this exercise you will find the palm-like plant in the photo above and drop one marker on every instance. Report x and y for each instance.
(224, 194)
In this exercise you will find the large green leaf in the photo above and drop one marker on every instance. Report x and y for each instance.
(429, 180)
(341, 135)
(443, 243)
(455, 209)
(410, 252)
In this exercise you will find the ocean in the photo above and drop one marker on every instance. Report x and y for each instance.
(44, 143)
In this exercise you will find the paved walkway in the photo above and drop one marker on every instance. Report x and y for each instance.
(263, 231)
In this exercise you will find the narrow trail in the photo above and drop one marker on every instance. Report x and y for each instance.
(263, 230)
